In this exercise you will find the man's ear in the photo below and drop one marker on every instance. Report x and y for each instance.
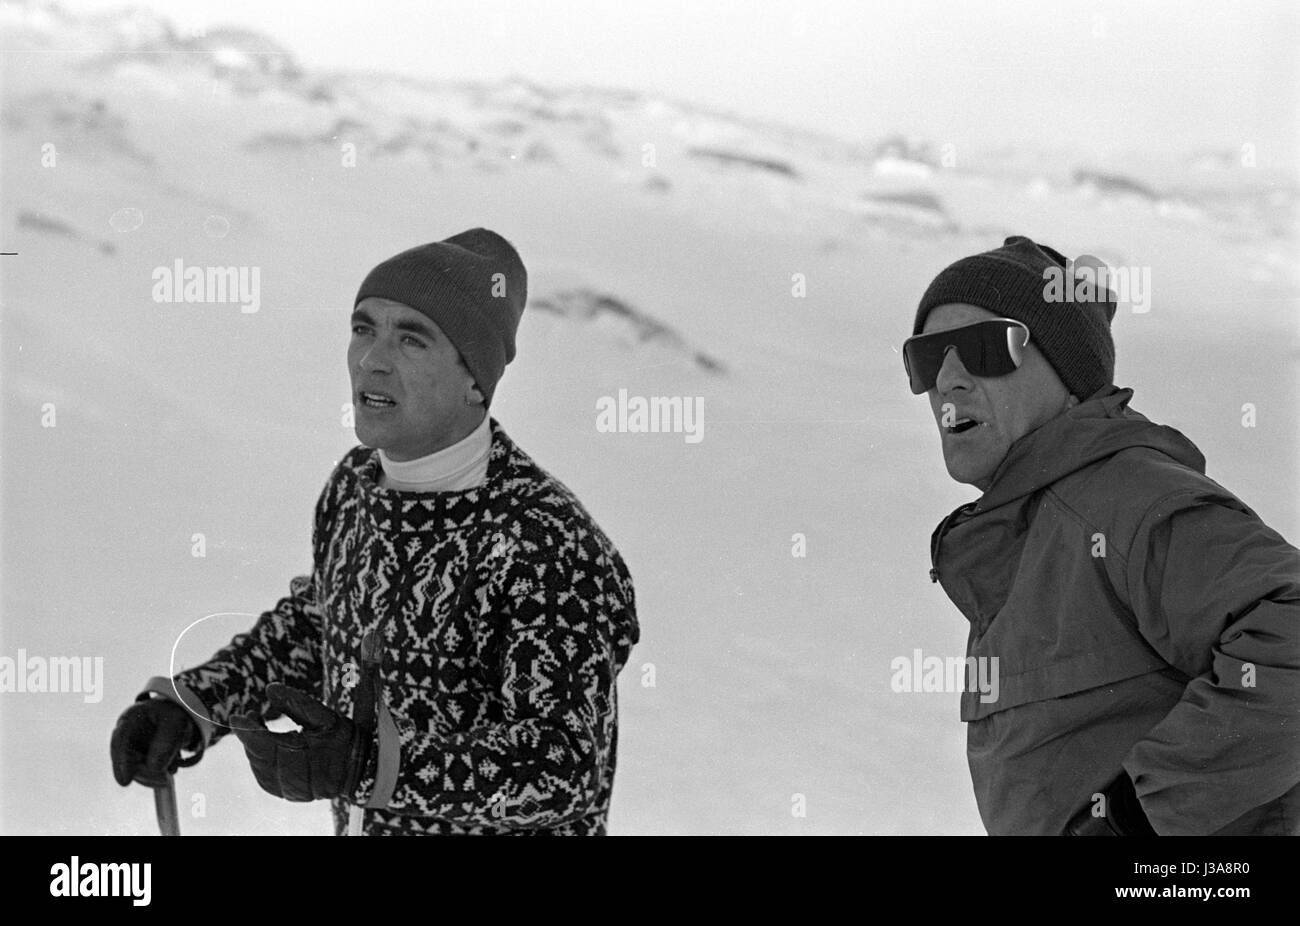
(1071, 401)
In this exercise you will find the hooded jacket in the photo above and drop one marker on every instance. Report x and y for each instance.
(1144, 619)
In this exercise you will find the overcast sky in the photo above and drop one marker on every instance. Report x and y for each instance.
(1106, 77)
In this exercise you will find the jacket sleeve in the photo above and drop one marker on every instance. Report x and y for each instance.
(1217, 593)
(285, 645)
(544, 761)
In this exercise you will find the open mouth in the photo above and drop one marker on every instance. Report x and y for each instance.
(963, 425)
(377, 400)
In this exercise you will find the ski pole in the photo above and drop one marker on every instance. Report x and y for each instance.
(164, 804)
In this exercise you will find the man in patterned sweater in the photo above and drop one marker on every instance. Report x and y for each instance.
(452, 657)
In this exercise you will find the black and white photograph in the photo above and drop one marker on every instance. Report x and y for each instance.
(791, 417)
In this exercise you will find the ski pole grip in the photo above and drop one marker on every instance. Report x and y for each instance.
(364, 707)
(367, 693)
(372, 651)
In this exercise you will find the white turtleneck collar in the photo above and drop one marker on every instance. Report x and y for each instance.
(457, 468)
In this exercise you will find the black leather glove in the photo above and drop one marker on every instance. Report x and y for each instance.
(326, 758)
(148, 738)
(1123, 814)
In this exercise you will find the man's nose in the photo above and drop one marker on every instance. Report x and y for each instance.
(953, 373)
(376, 356)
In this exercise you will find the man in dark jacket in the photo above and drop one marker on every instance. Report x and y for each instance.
(452, 657)
(1145, 620)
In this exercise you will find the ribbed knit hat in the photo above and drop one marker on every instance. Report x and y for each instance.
(473, 286)
(1009, 281)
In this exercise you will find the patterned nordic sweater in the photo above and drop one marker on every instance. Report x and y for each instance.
(505, 615)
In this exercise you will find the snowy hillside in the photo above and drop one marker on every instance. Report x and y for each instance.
(665, 245)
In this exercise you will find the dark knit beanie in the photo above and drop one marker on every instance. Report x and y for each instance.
(472, 286)
(1009, 281)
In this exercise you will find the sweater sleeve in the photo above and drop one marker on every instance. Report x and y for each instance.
(285, 645)
(543, 762)
(1217, 594)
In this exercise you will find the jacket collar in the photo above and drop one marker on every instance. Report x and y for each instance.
(1093, 430)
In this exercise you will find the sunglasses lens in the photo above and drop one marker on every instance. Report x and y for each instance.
(990, 348)
(921, 368)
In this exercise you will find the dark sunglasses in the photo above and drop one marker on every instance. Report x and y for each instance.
(991, 348)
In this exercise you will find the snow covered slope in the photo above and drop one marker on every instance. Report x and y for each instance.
(665, 245)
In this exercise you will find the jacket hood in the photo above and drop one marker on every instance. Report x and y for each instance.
(1093, 430)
